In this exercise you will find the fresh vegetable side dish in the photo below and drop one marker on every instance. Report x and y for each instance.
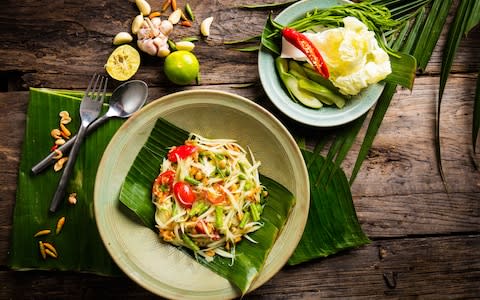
(325, 66)
(331, 55)
(208, 196)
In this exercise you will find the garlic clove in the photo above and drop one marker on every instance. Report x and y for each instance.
(185, 45)
(122, 38)
(147, 46)
(143, 7)
(156, 21)
(174, 17)
(166, 27)
(137, 23)
(163, 52)
(205, 26)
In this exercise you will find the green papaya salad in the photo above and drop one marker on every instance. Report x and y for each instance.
(208, 196)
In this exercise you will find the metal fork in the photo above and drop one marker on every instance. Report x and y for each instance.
(89, 110)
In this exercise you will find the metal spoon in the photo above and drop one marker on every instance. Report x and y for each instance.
(125, 100)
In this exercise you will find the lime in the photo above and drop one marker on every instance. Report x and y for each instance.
(181, 67)
(123, 63)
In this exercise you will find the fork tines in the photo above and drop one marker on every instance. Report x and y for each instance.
(95, 91)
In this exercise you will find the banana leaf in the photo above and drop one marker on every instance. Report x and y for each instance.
(135, 194)
(31, 214)
(332, 223)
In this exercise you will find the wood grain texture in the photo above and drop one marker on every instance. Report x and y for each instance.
(425, 241)
(407, 268)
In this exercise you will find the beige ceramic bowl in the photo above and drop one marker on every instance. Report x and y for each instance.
(161, 268)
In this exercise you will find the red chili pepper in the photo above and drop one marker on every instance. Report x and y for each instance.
(54, 147)
(182, 152)
(300, 41)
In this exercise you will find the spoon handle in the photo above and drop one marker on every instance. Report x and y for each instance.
(65, 148)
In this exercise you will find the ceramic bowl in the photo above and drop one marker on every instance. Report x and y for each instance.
(137, 250)
(326, 116)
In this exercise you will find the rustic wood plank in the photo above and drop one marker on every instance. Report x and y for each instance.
(53, 49)
(433, 267)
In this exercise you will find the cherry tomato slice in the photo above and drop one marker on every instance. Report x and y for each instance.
(182, 152)
(184, 194)
(163, 183)
(218, 197)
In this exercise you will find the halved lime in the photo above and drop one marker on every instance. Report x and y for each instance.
(123, 63)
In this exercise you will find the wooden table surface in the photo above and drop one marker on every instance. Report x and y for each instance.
(425, 242)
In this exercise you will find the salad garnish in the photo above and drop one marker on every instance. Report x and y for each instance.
(208, 196)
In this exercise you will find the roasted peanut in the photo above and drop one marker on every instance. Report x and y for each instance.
(56, 133)
(50, 247)
(72, 198)
(59, 164)
(60, 224)
(59, 141)
(58, 154)
(42, 232)
(65, 132)
(42, 249)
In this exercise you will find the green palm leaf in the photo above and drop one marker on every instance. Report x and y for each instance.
(467, 16)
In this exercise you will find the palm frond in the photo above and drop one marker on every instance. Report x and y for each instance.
(464, 18)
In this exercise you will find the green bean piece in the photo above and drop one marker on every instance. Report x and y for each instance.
(189, 243)
(218, 217)
(245, 219)
(255, 212)
(198, 208)
(192, 180)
